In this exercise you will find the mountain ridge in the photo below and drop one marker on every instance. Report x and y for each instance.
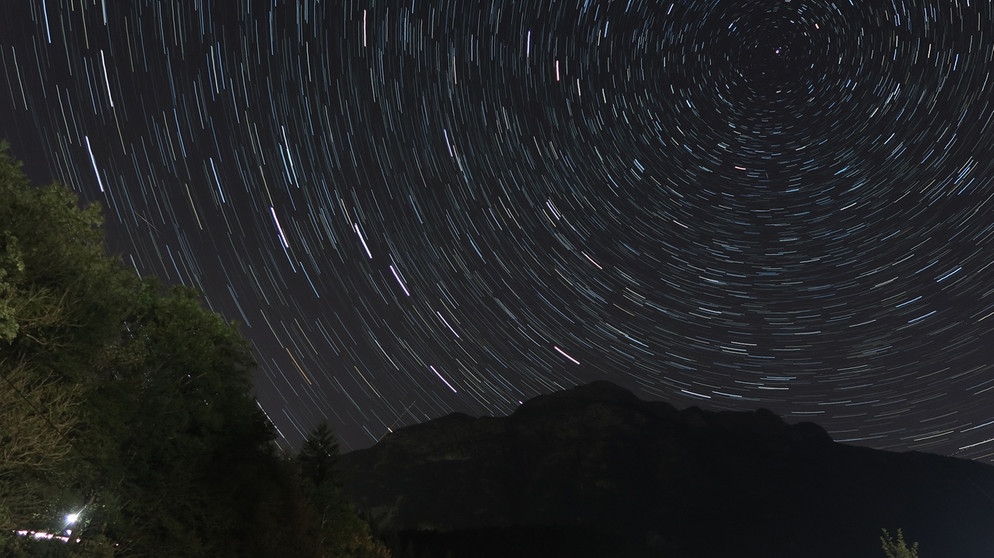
(643, 478)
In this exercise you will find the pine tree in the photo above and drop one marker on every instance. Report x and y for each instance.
(319, 456)
(897, 548)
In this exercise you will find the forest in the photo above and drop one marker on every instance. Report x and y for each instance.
(128, 425)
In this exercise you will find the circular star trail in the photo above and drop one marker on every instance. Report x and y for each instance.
(425, 206)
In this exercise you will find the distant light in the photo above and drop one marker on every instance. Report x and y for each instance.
(71, 518)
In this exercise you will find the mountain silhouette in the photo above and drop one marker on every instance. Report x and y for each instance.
(595, 471)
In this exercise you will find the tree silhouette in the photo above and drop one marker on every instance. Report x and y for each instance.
(319, 456)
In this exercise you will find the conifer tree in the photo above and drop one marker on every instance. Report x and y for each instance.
(897, 547)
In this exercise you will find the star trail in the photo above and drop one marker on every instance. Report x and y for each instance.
(418, 207)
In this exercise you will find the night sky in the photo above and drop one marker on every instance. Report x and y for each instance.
(419, 207)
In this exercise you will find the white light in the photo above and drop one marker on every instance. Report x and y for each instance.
(71, 518)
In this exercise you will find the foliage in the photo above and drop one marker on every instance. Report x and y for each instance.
(173, 429)
(35, 416)
(897, 548)
(59, 304)
(60, 294)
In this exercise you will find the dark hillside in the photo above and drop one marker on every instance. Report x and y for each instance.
(594, 471)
